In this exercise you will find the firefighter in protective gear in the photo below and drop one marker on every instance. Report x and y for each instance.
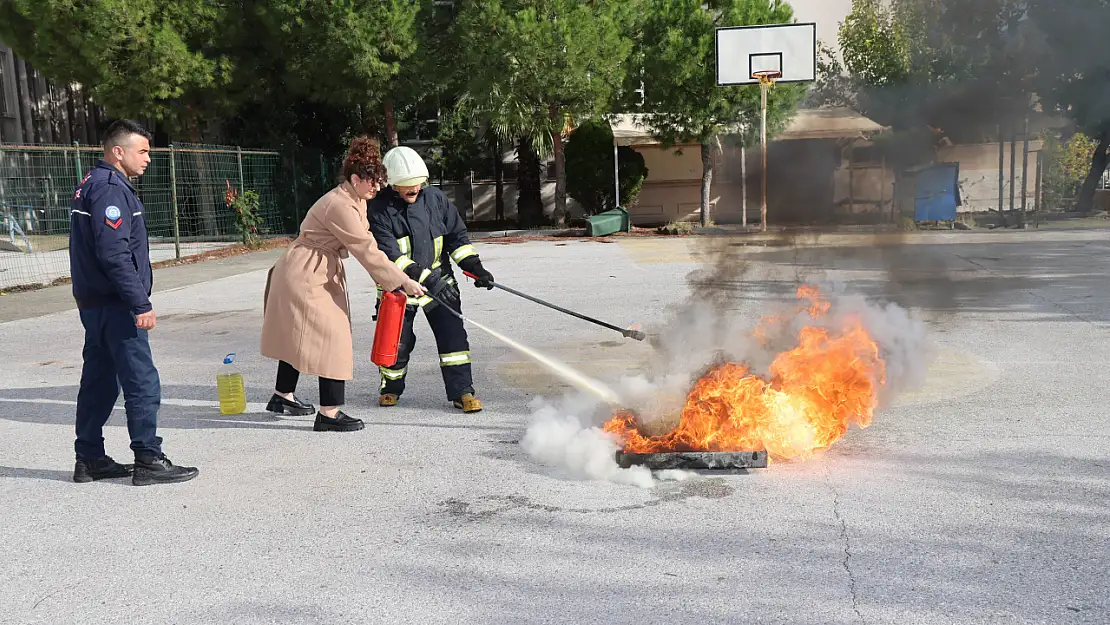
(421, 231)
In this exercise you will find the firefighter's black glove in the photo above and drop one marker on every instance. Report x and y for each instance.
(430, 277)
(445, 292)
(413, 271)
(483, 279)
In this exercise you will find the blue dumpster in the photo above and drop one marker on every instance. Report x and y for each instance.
(936, 193)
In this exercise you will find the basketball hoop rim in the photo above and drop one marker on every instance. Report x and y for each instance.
(767, 76)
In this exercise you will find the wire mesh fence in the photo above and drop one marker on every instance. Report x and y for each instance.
(183, 192)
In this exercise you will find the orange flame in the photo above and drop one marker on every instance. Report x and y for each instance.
(815, 390)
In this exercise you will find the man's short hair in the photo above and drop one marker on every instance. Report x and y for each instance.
(121, 130)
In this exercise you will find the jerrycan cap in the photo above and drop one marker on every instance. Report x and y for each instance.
(229, 358)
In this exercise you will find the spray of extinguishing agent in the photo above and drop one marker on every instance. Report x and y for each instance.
(387, 339)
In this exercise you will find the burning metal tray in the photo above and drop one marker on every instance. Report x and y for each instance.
(719, 460)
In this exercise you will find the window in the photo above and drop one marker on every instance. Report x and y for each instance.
(866, 156)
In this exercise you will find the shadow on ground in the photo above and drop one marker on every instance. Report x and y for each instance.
(55, 405)
(49, 475)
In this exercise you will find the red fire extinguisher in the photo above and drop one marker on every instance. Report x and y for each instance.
(387, 334)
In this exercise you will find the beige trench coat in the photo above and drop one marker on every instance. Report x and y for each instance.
(307, 318)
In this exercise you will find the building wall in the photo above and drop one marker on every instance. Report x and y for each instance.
(672, 190)
(677, 164)
(478, 202)
(814, 181)
(979, 174)
(807, 182)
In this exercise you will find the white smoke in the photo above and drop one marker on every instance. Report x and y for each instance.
(567, 435)
(562, 436)
(901, 334)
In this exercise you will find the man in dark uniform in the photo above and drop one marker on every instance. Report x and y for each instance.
(112, 279)
(421, 231)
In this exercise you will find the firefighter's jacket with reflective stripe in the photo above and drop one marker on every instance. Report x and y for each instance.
(422, 236)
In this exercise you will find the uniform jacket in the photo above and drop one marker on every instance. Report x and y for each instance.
(422, 236)
(109, 253)
(306, 311)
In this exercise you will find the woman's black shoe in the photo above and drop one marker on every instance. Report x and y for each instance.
(294, 407)
(341, 423)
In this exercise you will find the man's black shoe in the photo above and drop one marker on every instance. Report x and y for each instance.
(341, 423)
(100, 469)
(294, 407)
(151, 470)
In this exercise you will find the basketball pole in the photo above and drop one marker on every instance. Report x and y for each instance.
(767, 53)
(766, 79)
(763, 147)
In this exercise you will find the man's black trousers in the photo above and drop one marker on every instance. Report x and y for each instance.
(116, 354)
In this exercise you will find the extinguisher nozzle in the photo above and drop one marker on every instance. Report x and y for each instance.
(635, 334)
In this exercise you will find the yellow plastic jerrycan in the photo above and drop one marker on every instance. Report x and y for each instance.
(229, 385)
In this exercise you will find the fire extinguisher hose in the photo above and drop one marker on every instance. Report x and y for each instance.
(628, 332)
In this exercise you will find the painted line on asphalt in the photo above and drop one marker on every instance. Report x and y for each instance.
(252, 408)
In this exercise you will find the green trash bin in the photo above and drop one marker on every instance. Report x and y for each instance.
(604, 224)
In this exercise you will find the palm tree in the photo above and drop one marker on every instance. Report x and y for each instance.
(507, 117)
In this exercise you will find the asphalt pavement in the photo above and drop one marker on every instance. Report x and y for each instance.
(979, 494)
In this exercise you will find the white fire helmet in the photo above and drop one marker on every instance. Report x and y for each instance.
(404, 167)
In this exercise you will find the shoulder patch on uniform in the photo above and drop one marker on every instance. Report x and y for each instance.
(112, 217)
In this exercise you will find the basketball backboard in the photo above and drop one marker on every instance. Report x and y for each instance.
(790, 49)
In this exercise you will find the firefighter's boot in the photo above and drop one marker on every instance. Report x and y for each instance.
(387, 399)
(468, 403)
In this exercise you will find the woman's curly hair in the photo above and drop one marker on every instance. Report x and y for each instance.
(365, 159)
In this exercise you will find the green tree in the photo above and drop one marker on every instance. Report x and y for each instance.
(590, 168)
(1073, 69)
(429, 78)
(344, 53)
(833, 86)
(876, 51)
(873, 45)
(681, 92)
(1067, 164)
(137, 58)
(508, 116)
(532, 66)
(949, 64)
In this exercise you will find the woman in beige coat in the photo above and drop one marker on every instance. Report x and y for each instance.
(306, 325)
